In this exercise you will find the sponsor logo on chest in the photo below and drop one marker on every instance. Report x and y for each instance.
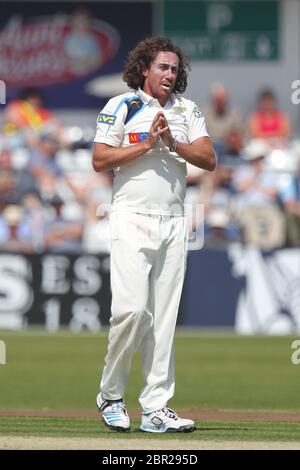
(136, 137)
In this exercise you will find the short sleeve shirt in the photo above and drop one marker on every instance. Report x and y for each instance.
(156, 181)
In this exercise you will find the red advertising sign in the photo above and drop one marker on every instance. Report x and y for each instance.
(51, 49)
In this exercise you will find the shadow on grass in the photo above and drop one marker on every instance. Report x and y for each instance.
(219, 428)
(197, 430)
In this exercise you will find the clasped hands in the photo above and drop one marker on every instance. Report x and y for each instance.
(160, 128)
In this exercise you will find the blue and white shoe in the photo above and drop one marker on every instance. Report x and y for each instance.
(166, 420)
(114, 414)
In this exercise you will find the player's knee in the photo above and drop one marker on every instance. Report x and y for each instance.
(136, 317)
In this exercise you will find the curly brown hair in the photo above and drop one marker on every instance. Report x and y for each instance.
(142, 56)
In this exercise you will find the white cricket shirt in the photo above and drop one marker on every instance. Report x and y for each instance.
(154, 182)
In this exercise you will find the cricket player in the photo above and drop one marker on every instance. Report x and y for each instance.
(146, 136)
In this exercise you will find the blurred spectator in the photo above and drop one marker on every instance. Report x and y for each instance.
(35, 216)
(14, 184)
(230, 151)
(217, 196)
(62, 234)
(42, 164)
(253, 184)
(15, 234)
(216, 190)
(26, 112)
(256, 205)
(290, 196)
(219, 115)
(268, 122)
(220, 229)
(229, 154)
(7, 185)
(48, 174)
(5, 157)
(25, 117)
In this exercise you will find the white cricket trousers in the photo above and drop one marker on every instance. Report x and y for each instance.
(148, 261)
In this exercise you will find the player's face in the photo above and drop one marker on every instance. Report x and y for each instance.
(161, 76)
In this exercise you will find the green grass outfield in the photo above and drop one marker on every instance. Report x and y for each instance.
(60, 373)
(206, 430)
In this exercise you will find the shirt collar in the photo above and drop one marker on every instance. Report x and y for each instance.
(176, 102)
(145, 97)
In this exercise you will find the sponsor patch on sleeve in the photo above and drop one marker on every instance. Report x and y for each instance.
(197, 113)
(107, 119)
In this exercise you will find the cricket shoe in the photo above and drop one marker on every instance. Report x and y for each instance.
(114, 414)
(166, 420)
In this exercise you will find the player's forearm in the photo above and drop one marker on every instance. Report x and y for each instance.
(106, 157)
(198, 154)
